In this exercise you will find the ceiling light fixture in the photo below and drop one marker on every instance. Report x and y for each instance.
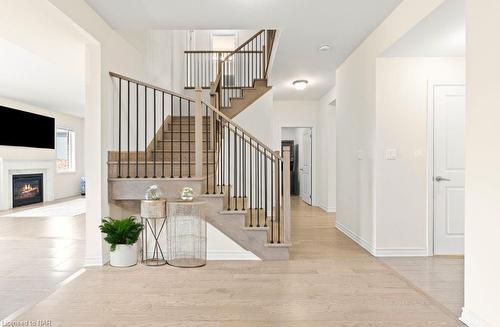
(324, 47)
(300, 84)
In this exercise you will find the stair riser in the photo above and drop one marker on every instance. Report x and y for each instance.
(186, 137)
(176, 170)
(184, 157)
(184, 128)
(185, 119)
(177, 145)
(175, 156)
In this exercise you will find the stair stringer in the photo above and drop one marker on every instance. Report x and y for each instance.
(232, 224)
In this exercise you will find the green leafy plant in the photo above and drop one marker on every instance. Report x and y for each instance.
(121, 231)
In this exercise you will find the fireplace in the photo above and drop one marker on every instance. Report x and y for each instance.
(27, 189)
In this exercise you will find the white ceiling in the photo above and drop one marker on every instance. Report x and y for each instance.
(441, 34)
(42, 57)
(304, 25)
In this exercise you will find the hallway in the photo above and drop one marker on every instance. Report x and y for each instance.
(328, 281)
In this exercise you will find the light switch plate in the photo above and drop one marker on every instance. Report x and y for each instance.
(391, 154)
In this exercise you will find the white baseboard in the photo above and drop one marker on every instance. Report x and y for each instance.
(96, 261)
(363, 243)
(472, 320)
(231, 255)
(328, 209)
(401, 252)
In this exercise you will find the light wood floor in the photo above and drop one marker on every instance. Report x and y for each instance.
(441, 277)
(330, 281)
(36, 254)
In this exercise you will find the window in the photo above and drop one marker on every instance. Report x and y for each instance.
(65, 150)
(223, 42)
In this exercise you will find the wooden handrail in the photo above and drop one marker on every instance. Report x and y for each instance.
(243, 45)
(241, 129)
(159, 89)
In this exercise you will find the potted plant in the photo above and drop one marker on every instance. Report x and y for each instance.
(122, 235)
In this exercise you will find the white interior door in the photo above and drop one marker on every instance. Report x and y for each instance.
(449, 168)
(305, 167)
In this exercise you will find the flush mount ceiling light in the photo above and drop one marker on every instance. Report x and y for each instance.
(300, 84)
(324, 47)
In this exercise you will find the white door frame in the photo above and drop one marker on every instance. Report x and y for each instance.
(313, 155)
(431, 85)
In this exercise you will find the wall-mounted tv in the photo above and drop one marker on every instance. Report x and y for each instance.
(21, 128)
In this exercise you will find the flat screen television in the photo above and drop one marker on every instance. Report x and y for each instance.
(21, 128)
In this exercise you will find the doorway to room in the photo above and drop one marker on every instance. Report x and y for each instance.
(299, 140)
(447, 177)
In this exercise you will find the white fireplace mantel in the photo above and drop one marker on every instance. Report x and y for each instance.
(10, 167)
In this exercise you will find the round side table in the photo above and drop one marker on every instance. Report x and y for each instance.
(153, 216)
(186, 234)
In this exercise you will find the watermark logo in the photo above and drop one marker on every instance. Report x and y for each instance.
(27, 323)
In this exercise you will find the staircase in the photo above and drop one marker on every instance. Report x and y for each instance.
(173, 141)
(235, 79)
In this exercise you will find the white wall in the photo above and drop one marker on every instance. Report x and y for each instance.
(265, 119)
(356, 103)
(401, 124)
(482, 181)
(65, 184)
(106, 51)
(327, 165)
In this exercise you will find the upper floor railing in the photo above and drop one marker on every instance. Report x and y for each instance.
(227, 73)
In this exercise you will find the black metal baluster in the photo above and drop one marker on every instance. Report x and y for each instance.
(154, 133)
(272, 197)
(180, 133)
(136, 130)
(278, 200)
(189, 139)
(223, 158)
(128, 129)
(145, 132)
(214, 138)
(206, 140)
(163, 135)
(265, 188)
(119, 128)
(244, 169)
(171, 136)
(235, 170)
(251, 185)
(257, 184)
(240, 192)
(229, 166)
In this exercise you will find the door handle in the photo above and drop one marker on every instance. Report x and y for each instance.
(442, 179)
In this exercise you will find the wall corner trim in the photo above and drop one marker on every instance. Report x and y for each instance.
(472, 320)
(362, 242)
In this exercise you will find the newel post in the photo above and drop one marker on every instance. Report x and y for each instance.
(286, 195)
(198, 133)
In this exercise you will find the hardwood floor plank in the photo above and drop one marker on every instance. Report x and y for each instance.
(329, 281)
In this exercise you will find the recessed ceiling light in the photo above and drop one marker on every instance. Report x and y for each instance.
(324, 47)
(300, 84)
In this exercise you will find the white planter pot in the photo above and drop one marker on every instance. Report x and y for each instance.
(123, 256)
